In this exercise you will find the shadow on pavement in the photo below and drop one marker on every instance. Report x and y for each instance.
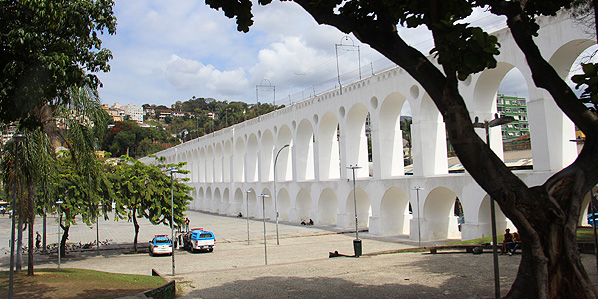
(300, 287)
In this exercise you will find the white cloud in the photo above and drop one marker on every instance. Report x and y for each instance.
(187, 74)
(166, 51)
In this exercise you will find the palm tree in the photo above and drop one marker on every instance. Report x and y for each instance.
(77, 125)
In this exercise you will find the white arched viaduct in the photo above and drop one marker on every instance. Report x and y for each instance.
(326, 133)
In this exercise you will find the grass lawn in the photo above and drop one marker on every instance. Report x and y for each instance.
(76, 283)
(585, 234)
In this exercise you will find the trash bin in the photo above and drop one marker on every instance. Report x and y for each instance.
(357, 247)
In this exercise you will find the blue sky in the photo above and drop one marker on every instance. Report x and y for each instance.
(168, 51)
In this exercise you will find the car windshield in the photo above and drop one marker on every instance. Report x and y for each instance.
(162, 241)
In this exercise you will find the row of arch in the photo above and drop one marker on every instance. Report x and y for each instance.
(332, 131)
(394, 214)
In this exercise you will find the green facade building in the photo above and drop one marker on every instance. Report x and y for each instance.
(517, 108)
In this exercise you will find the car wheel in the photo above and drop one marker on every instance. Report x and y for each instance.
(211, 249)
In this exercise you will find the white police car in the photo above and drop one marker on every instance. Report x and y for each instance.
(160, 244)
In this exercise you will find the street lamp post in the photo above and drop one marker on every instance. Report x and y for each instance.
(59, 202)
(17, 137)
(419, 230)
(275, 197)
(247, 214)
(497, 121)
(356, 242)
(264, 196)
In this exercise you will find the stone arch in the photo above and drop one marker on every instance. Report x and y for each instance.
(266, 151)
(485, 219)
(394, 212)
(328, 143)
(202, 165)
(284, 168)
(225, 202)
(303, 205)
(564, 57)
(283, 200)
(390, 144)
(237, 204)
(586, 209)
(439, 222)
(364, 209)
(200, 199)
(217, 200)
(226, 166)
(195, 166)
(218, 163)
(251, 203)
(356, 140)
(304, 151)
(484, 103)
(209, 204)
(210, 165)
(268, 205)
(327, 208)
(239, 161)
(251, 159)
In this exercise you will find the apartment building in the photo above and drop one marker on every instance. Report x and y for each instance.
(517, 108)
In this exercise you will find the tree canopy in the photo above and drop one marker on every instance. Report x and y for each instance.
(546, 215)
(47, 48)
(144, 191)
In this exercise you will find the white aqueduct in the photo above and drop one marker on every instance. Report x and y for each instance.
(312, 176)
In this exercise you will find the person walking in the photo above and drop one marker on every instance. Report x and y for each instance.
(38, 240)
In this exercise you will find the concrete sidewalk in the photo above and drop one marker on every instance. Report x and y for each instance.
(298, 267)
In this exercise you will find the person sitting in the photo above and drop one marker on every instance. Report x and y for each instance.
(311, 222)
(507, 239)
(513, 246)
(303, 222)
(240, 215)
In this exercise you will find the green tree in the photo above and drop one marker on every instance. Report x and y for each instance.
(47, 48)
(81, 193)
(82, 121)
(546, 215)
(144, 191)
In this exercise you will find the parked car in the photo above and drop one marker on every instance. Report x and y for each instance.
(160, 244)
(199, 239)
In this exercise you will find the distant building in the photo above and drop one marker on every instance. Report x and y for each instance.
(6, 133)
(163, 113)
(116, 113)
(517, 108)
(134, 112)
(150, 110)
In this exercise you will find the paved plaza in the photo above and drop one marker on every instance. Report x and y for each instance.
(298, 267)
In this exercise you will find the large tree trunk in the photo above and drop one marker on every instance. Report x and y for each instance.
(136, 225)
(65, 237)
(546, 216)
